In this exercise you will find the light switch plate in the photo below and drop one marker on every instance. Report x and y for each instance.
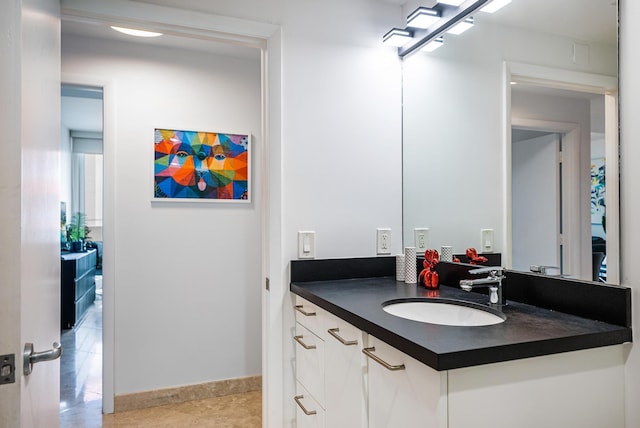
(306, 244)
(383, 241)
(486, 243)
(421, 239)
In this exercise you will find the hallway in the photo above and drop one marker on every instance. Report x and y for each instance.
(81, 391)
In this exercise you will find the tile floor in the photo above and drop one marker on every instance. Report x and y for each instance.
(81, 391)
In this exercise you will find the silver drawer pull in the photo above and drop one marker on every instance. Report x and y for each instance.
(369, 352)
(334, 332)
(304, 409)
(300, 309)
(304, 345)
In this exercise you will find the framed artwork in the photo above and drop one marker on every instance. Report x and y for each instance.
(201, 166)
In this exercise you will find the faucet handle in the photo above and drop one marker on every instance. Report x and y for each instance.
(491, 270)
(541, 268)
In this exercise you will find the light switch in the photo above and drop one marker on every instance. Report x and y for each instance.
(487, 240)
(306, 244)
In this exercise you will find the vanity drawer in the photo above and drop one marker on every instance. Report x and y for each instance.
(309, 414)
(310, 316)
(310, 362)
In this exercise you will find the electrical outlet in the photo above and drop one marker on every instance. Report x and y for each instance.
(306, 244)
(486, 245)
(383, 241)
(421, 239)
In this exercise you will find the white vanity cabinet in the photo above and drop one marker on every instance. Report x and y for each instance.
(572, 389)
(404, 392)
(346, 378)
(309, 344)
(329, 370)
(345, 395)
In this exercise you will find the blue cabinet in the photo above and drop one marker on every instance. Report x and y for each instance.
(78, 287)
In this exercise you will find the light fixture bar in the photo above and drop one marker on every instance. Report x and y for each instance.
(462, 26)
(433, 44)
(449, 17)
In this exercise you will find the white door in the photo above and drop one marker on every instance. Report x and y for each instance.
(30, 250)
(536, 219)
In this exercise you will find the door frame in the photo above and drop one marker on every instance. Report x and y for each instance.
(191, 24)
(581, 82)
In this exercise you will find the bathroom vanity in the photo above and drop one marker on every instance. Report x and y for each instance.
(359, 366)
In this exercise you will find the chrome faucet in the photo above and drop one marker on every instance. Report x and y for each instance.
(493, 282)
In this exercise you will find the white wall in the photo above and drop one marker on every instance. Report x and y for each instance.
(454, 128)
(629, 196)
(187, 275)
(341, 142)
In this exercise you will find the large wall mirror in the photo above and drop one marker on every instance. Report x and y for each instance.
(512, 126)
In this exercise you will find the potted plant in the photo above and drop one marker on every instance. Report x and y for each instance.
(76, 232)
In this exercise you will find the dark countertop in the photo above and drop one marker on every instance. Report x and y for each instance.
(529, 331)
(68, 255)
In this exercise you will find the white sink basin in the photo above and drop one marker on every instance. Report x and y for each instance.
(443, 312)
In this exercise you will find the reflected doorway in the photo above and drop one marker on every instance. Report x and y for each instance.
(536, 170)
(574, 122)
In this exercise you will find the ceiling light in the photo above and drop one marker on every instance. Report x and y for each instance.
(462, 26)
(433, 44)
(495, 5)
(423, 17)
(137, 33)
(397, 37)
(452, 2)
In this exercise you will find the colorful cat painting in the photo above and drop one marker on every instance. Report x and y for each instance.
(201, 165)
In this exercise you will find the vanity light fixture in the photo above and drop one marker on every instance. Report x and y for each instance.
(433, 44)
(427, 24)
(423, 17)
(462, 26)
(136, 33)
(397, 37)
(495, 5)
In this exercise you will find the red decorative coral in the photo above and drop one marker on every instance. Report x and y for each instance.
(428, 276)
(474, 258)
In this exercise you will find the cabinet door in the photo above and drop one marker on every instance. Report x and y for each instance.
(412, 396)
(309, 414)
(310, 316)
(310, 362)
(344, 384)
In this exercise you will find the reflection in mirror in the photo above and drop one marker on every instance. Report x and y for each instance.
(460, 172)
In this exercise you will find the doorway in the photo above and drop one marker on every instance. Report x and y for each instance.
(536, 170)
(158, 296)
(81, 156)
